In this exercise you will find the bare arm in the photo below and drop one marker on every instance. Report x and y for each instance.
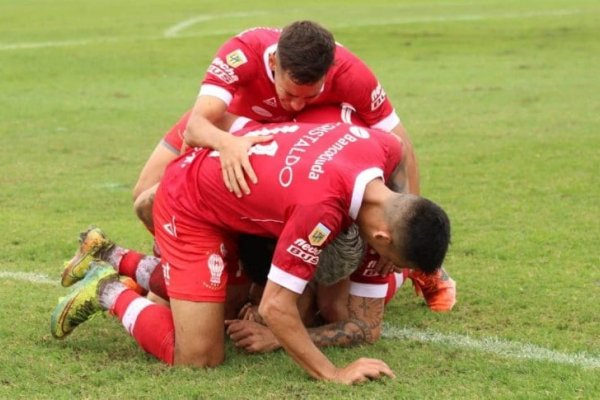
(278, 308)
(410, 160)
(361, 327)
(202, 130)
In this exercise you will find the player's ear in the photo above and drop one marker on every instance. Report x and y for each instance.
(383, 237)
(272, 61)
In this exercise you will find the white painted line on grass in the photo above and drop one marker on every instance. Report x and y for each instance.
(30, 277)
(499, 347)
(176, 31)
(177, 28)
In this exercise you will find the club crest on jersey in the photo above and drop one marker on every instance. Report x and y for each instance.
(236, 58)
(319, 235)
(216, 265)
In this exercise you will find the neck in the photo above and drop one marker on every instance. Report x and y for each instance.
(371, 213)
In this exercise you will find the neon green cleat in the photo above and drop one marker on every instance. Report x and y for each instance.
(92, 243)
(82, 302)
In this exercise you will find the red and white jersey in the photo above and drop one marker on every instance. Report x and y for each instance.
(311, 184)
(240, 76)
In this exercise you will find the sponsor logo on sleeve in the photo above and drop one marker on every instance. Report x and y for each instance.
(222, 71)
(377, 97)
(319, 235)
(236, 58)
(304, 251)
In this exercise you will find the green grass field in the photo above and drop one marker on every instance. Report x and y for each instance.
(501, 99)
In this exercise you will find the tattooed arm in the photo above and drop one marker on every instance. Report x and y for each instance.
(363, 326)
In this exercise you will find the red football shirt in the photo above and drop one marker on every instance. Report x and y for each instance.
(240, 76)
(311, 184)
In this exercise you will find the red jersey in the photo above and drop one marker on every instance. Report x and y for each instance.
(311, 186)
(240, 76)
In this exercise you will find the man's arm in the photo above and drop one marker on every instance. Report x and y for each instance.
(363, 326)
(409, 159)
(202, 131)
(278, 308)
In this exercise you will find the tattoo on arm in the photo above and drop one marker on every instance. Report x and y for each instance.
(363, 326)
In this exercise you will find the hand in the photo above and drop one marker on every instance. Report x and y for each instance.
(249, 312)
(251, 336)
(362, 370)
(384, 266)
(235, 162)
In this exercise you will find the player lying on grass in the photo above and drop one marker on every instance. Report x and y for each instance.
(336, 177)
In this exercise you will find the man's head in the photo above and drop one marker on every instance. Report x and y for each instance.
(305, 52)
(418, 235)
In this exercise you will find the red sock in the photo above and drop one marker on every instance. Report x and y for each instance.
(151, 325)
(157, 283)
(129, 263)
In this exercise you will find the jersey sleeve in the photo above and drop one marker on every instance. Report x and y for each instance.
(173, 139)
(365, 281)
(365, 93)
(233, 66)
(308, 230)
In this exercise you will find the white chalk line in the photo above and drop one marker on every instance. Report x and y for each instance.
(493, 345)
(178, 30)
(30, 277)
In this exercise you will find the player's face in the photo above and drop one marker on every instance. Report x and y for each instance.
(388, 251)
(294, 97)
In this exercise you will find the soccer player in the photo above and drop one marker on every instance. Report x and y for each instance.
(269, 75)
(316, 179)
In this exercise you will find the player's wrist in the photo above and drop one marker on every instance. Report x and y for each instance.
(224, 141)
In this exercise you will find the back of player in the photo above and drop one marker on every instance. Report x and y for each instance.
(311, 181)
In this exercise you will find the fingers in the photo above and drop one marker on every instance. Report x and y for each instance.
(233, 176)
(365, 369)
(235, 164)
(250, 172)
(260, 139)
(375, 369)
(244, 311)
(384, 266)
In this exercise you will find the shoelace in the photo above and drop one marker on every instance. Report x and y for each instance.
(84, 312)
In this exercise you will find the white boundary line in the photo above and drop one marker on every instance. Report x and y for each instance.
(493, 345)
(176, 30)
(30, 277)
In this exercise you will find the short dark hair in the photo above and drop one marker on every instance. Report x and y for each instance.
(305, 51)
(427, 235)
